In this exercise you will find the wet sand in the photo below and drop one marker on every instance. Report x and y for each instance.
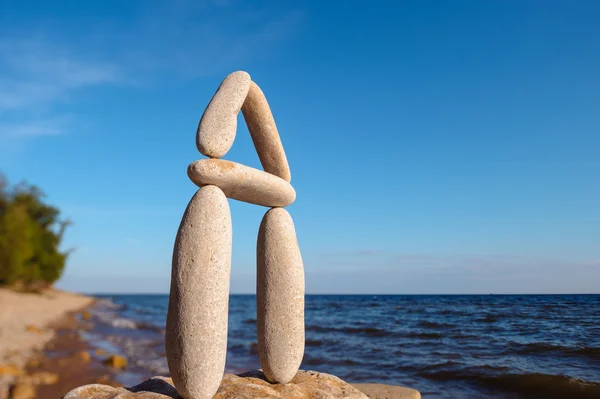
(41, 352)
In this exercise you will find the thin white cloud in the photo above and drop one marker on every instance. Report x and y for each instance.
(41, 68)
(36, 71)
(30, 129)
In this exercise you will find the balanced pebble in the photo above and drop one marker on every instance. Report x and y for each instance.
(196, 333)
(218, 125)
(242, 182)
(279, 297)
(265, 136)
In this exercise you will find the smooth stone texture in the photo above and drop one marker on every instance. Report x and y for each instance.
(279, 297)
(218, 125)
(242, 182)
(196, 333)
(382, 391)
(265, 136)
(252, 385)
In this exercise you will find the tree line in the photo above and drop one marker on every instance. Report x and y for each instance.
(30, 237)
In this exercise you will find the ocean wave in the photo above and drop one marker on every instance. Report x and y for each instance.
(433, 324)
(316, 361)
(530, 385)
(489, 318)
(369, 331)
(541, 348)
(105, 302)
(423, 335)
(123, 323)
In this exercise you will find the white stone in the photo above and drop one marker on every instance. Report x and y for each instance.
(218, 125)
(265, 136)
(242, 182)
(279, 297)
(196, 333)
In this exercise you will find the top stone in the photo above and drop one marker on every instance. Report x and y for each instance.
(218, 125)
(265, 136)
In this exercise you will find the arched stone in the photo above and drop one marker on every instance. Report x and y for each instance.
(217, 128)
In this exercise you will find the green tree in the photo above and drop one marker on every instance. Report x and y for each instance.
(30, 237)
(16, 244)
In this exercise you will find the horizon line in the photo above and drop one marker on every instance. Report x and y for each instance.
(353, 294)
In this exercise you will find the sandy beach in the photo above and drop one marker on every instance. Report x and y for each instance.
(41, 354)
(24, 321)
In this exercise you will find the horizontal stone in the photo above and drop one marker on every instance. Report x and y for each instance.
(265, 136)
(242, 182)
(218, 125)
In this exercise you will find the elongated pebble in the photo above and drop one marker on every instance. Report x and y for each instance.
(265, 136)
(279, 297)
(196, 333)
(218, 125)
(242, 182)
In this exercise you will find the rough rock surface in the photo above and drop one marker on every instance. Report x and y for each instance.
(265, 136)
(196, 333)
(279, 297)
(218, 125)
(382, 391)
(242, 182)
(253, 385)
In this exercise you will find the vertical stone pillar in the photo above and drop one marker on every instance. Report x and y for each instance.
(279, 297)
(196, 333)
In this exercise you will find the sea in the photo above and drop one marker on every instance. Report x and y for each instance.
(445, 346)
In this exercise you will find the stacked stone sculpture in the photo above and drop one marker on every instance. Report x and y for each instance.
(196, 333)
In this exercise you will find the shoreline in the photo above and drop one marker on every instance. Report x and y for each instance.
(42, 354)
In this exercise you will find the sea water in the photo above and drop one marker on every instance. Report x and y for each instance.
(445, 346)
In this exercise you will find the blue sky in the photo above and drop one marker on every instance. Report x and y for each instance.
(435, 146)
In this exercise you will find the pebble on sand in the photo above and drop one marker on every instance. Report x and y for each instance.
(83, 356)
(116, 361)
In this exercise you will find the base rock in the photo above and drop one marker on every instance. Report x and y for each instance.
(251, 385)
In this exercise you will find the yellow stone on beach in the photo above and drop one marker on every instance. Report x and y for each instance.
(10, 369)
(116, 361)
(84, 356)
